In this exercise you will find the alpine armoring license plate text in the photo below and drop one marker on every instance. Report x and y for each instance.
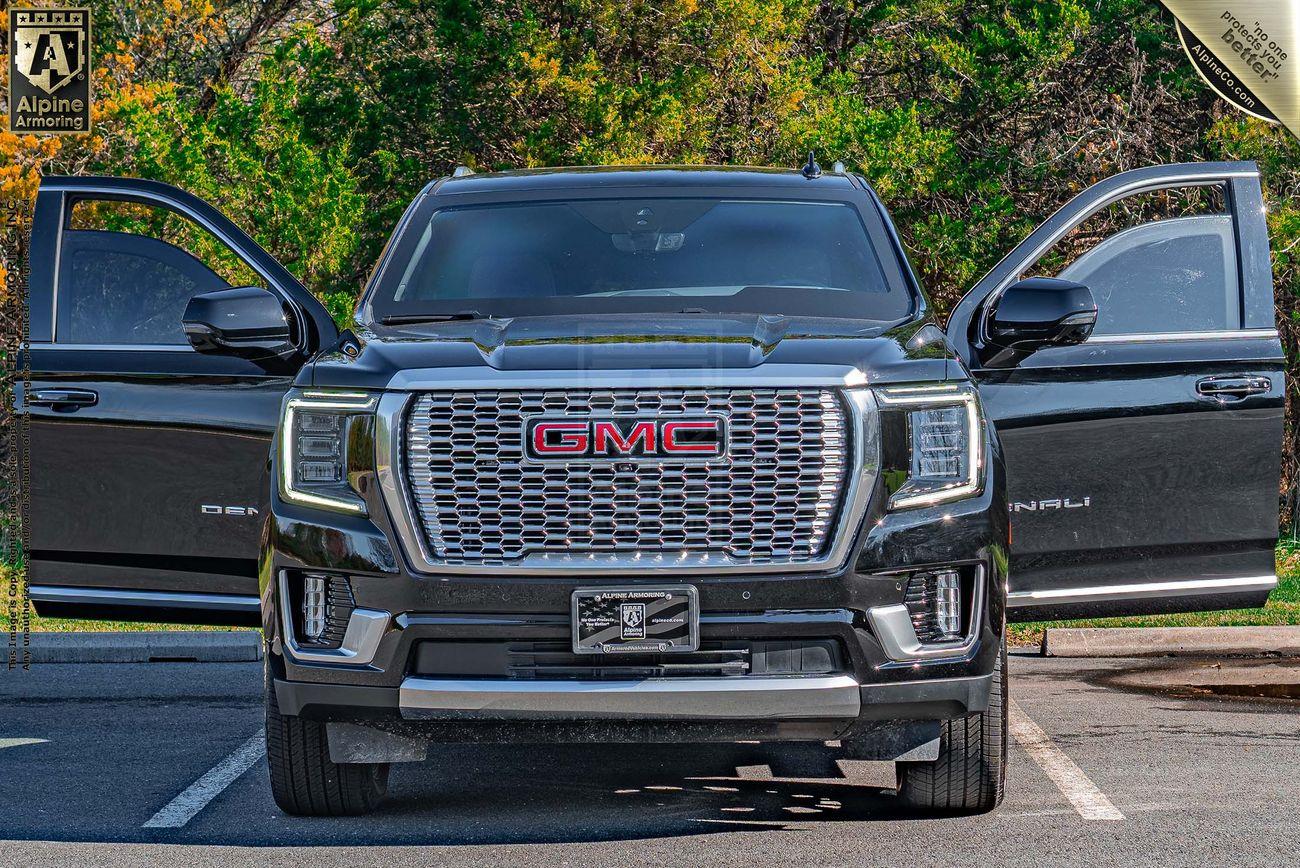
(629, 620)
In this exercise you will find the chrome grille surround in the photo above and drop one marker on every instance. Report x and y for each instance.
(464, 499)
(772, 496)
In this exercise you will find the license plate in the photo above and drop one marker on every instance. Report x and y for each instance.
(630, 620)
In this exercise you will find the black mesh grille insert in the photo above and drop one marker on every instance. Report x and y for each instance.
(552, 660)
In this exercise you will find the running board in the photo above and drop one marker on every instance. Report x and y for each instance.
(82, 602)
(156, 599)
(1143, 590)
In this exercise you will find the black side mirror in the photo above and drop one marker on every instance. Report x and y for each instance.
(1036, 313)
(247, 321)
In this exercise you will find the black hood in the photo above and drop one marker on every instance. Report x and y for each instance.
(886, 352)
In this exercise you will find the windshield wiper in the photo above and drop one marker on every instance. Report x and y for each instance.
(410, 318)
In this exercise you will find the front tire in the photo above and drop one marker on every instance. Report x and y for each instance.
(304, 781)
(970, 773)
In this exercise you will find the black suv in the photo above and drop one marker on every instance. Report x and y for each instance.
(654, 454)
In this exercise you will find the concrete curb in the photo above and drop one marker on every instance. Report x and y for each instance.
(190, 646)
(1163, 641)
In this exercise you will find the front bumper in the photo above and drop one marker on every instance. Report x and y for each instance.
(818, 708)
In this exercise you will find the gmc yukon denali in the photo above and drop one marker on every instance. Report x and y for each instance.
(652, 454)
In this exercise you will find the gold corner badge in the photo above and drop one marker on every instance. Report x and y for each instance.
(49, 70)
(1247, 51)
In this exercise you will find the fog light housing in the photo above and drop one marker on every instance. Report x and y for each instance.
(934, 600)
(321, 606)
(314, 607)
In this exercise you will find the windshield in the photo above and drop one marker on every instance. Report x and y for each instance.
(642, 255)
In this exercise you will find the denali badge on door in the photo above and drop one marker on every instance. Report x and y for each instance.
(621, 620)
(596, 439)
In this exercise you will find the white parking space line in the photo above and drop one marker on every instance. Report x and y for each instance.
(20, 742)
(1151, 807)
(197, 795)
(1077, 787)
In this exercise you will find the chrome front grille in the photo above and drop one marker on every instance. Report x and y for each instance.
(774, 497)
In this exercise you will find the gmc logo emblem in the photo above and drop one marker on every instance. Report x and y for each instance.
(702, 437)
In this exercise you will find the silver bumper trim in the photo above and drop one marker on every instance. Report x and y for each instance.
(739, 698)
(1138, 590)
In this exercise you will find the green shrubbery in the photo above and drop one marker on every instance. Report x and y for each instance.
(312, 123)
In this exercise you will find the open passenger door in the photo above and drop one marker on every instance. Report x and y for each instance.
(148, 480)
(1143, 462)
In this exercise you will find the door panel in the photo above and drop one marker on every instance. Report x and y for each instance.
(128, 477)
(1131, 489)
(149, 483)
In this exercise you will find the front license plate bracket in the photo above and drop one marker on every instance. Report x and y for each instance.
(635, 620)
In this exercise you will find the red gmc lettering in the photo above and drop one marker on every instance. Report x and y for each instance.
(607, 434)
(571, 438)
(671, 429)
(614, 439)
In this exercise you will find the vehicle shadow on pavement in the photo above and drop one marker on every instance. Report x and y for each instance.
(514, 794)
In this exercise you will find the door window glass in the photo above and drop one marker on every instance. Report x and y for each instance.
(127, 270)
(1156, 263)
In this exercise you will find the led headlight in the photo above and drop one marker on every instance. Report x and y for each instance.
(317, 438)
(944, 443)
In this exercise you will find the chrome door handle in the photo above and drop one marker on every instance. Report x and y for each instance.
(63, 398)
(1232, 388)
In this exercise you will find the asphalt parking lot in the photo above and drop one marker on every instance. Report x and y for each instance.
(159, 764)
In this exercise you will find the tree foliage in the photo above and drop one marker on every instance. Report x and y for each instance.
(313, 122)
